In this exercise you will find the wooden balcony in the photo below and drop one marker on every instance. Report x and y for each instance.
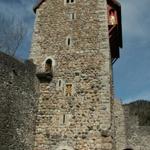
(44, 76)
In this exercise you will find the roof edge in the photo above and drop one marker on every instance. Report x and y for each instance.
(38, 5)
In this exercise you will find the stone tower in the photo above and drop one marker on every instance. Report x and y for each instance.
(71, 49)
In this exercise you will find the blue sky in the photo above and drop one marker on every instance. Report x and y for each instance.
(131, 72)
(21, 10)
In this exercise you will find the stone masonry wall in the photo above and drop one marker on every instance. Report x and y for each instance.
(131, 125)
(18, 104)
(82, 119)
(119, 126)
(137, 121)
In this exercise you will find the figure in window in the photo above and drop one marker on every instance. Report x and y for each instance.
(68, 89)
(112, 17)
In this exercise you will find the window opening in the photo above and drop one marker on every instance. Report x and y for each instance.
(72, 16)
(77, 73)
(59, 83)
(112, 17)
(69, 41)
(68, 89)
(69, 1)
(64, 119)
(14, 71)
(48, 65)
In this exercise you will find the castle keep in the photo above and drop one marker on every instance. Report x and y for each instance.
(64, 101)
(73, 54)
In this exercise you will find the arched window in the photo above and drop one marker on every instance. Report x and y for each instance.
(48, 66)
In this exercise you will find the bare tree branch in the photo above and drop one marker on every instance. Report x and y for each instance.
(12, 33)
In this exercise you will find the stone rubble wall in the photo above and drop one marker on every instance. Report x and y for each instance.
(88, 109)
(131, 125)
(137, 122)
(119, 126)
(18, 104)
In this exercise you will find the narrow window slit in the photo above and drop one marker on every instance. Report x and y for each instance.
(59, 83)
(64, 119)
(72, 16)
(69, 41)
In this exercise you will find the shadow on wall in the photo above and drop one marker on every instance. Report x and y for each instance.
(18, 103)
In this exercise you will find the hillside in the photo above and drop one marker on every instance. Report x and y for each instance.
(141, 109)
